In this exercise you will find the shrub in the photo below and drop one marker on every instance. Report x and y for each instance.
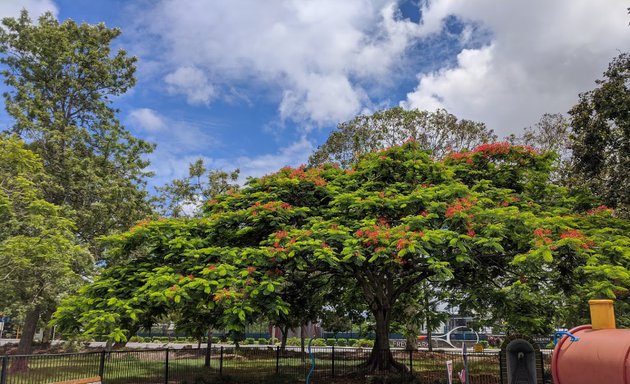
(263, 341)
(363, 343)
(331, 342)
(136, 339)
(318, 343)
(249, 341)
(342, 342)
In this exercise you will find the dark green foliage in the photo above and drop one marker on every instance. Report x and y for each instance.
(601, 135)
(62, 78)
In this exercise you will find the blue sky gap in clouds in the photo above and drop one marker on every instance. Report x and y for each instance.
(259, 85)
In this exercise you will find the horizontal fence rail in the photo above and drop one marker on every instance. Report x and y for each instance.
(245, 364)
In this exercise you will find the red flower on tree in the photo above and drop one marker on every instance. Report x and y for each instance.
(402, 243)
(572, 234)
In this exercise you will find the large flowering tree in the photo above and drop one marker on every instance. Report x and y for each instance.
(482, 220)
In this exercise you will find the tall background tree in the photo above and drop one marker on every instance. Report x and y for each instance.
(601, 136)
(439, 131)
(40, 259)
(185, 197)
(62, 78)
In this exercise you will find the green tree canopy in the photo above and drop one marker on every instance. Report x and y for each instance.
(62, 78)
(40, 261)
(486, 221)
(439, 131)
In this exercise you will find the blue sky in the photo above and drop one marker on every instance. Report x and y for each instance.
(260, 84)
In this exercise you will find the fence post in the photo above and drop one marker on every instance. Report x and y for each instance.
(221, 362)
(411, 362)
(166, 368)
(5, 372)
(277, 360)
(101, 367)
(333, 361)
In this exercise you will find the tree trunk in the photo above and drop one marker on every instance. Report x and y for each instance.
(285, 332)
(429, 331)
(381, 358)
(411, 342)
(45, 317)
(25, 347)
(208, 346)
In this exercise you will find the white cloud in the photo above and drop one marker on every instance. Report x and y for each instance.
(191, 82)
(314, 55)
(179, 142)
(324, 99)
(542, 55)
(35, 8)
(147, 119)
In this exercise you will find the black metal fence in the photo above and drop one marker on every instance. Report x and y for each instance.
(244, 364)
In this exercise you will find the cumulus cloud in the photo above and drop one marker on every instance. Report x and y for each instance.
(35, 8)
(179, 142)
(314, 57)
(542, 55)
(191, 82)
(147, 119)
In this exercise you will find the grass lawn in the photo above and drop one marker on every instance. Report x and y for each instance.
(187, 366)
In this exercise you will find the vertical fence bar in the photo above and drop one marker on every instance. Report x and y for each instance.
(333, 362)
(277, 360)
(166, 368)
(221, 362)
(101, 367)
(4, 373)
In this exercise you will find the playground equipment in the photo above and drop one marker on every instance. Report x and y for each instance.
(520, 361)
(593, 353)
(446, 338)
(310, 354)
